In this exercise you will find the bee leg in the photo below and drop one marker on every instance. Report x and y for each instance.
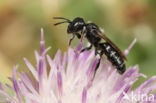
(71, 39)
(98, 64)
(96, 51)
(78, 35)
(87, 48)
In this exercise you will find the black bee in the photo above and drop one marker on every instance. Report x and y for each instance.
(92, 32)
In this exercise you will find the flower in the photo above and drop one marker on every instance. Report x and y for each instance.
(70, 80)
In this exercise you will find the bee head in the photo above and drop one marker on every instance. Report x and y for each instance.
(74, 26)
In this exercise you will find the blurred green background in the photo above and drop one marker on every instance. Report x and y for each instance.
(122, 21)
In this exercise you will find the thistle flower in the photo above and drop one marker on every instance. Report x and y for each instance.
(70, 80)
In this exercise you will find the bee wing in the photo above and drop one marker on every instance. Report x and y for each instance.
(109, 41)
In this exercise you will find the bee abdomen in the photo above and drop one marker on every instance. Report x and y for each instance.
(113, 56)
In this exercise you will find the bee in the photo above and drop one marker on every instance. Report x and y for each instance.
(92, 32)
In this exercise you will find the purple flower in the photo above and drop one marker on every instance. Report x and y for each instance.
(68, 78)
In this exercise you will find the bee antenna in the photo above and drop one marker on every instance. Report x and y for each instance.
(62, 18)
(61, 23)
(66, 20)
